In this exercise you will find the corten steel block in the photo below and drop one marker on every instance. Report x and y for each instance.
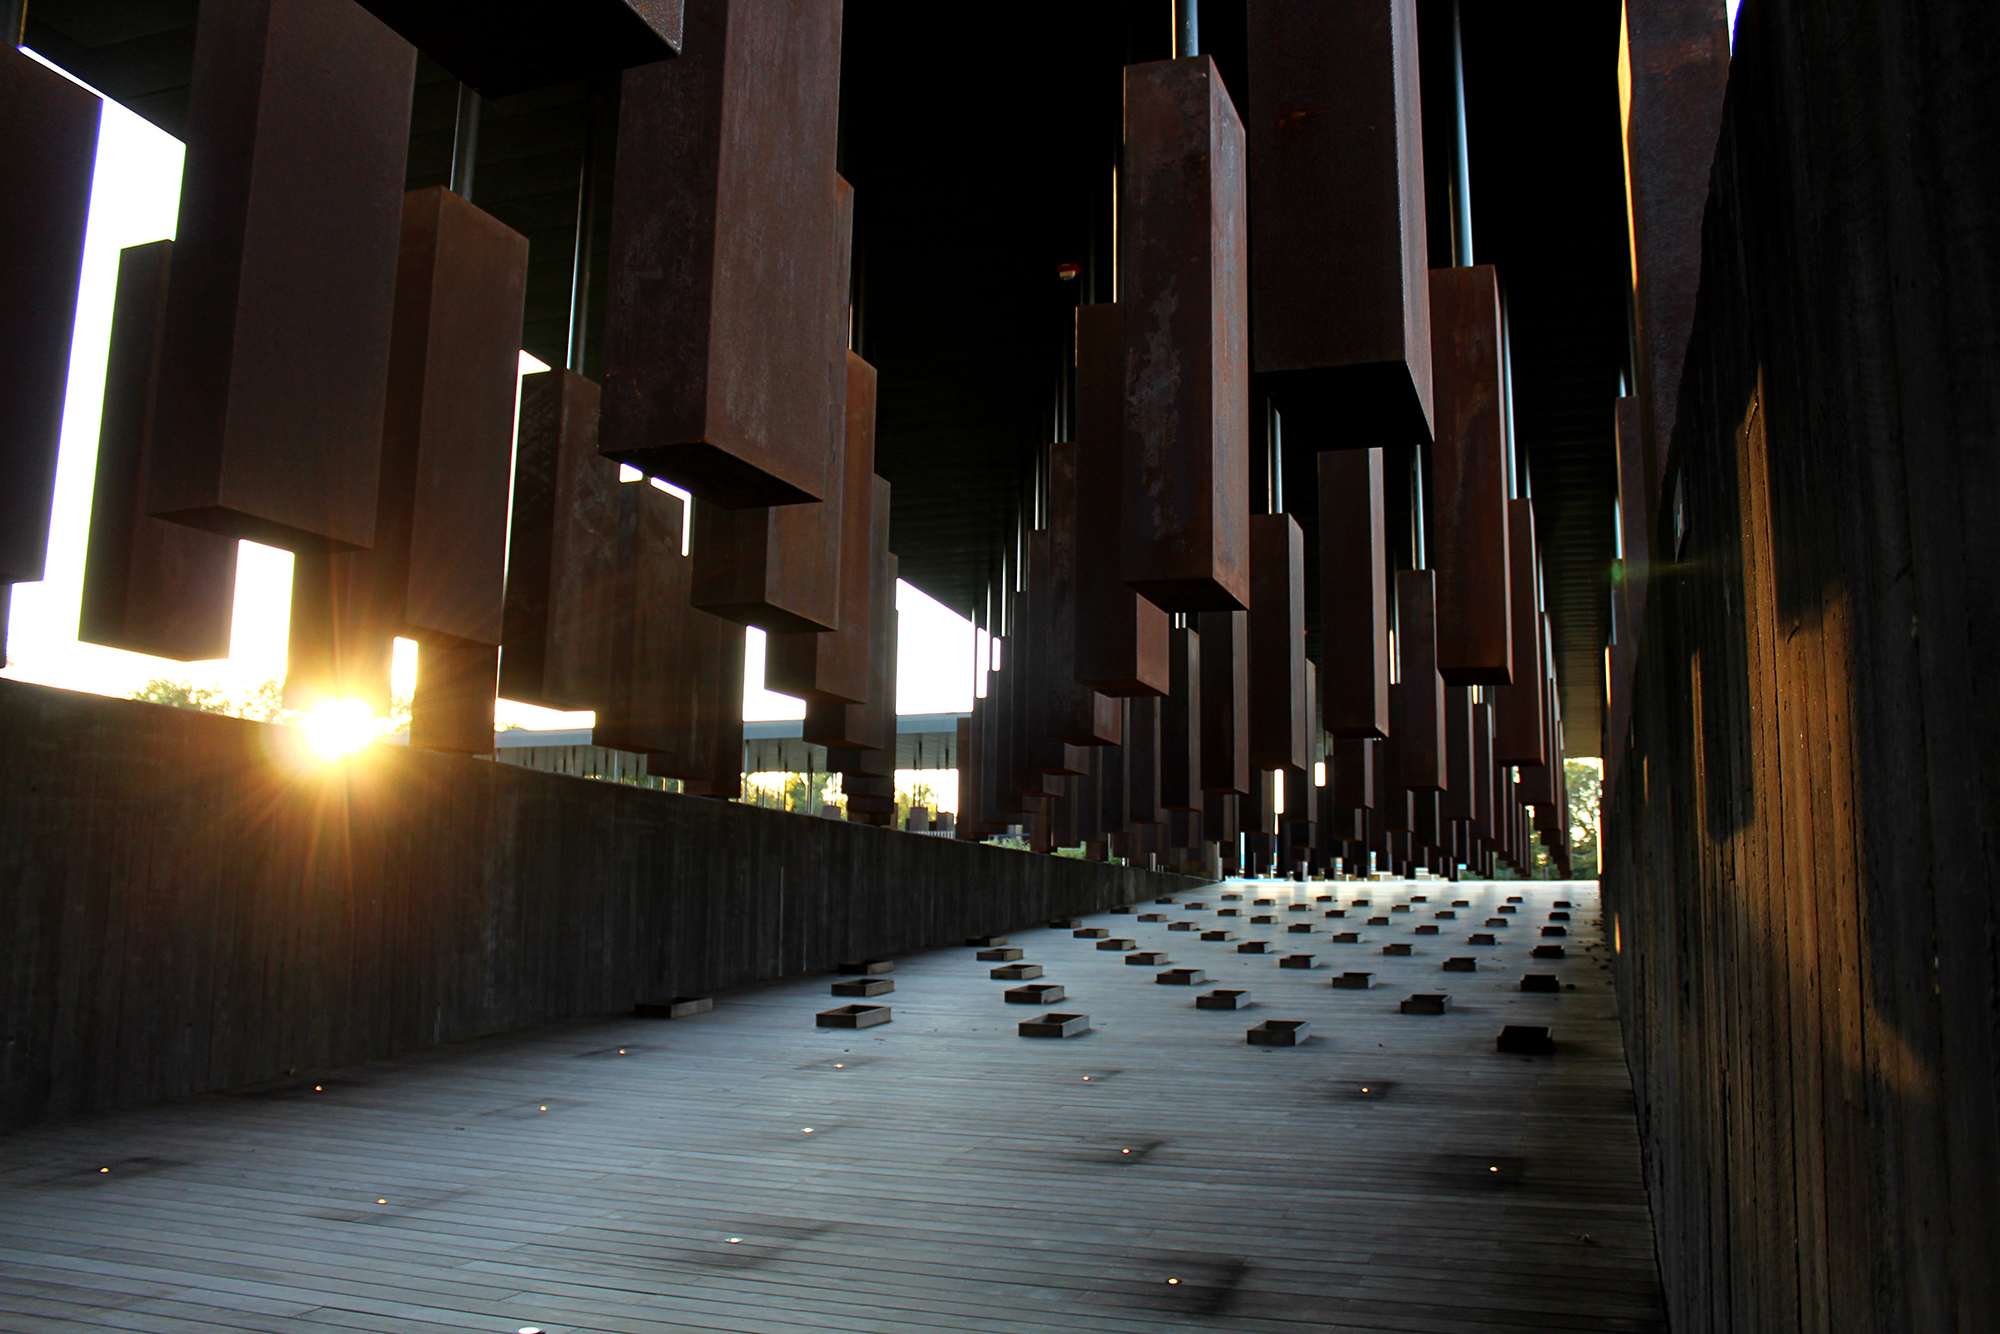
(1378, 921)
(1353, 773)
(1218, 935)
(723, 251)
(853, 1016)
(1481, 938)
(1468, 528)
(1427, 929)
(562, 554)
(1296, 961)
(1485, 807)
(1140, 754)
(1346, 937)
(1147, 958)
(1225, 702)
(641, 712)
(984, 942)
(680, 1007)
(1065, 923)
(1353, 981)
(1181, 977)
(1090, 933)
(1124, 909)
(48, 152)
(275, 373)
(1263, 919)
(1397, 949)
(1498, 921)
(1075, 713)
(1182, 926)
(1228, 912)
(1299, 907)
(1420, 739)
(149, 586)
(1152, 917)
(1674, 68)
(1015, 972)
(1181, 726)
(1445, 914)
(1512, 898)
(510, 46)
(1223, 999)
(1461, 795)
(451, 707)
(1525, 1040)
(1423, 1003)
(334, 650)
(1300, 928)
(1559, 916)
(1540, 982)
(1548, 952)
(869, 966)
(1519, 736)
(1115, 943)
(779, 567)
(865, 986)
(834, 666)
(1465, 965)
(1182, 270)
(1000, 954)
(1354, 594)
(1338, 253)
(1055, 1026)
(870, 723)
(1279, 1033)
(1045, 994)
(1280, 715)
(1336, 912)
(1252, 947)
(1121, 638)
(1555, 930)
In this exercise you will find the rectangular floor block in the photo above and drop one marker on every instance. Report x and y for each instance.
(1279, 1033)
(1123, 908)
(1555, 930)
(1362, 903)
(1181, 977)
(1251, 947)
(1399, 907)
(1300, 928)
(1353, 981)
(1322, 898)
(1336, 912)
(1232, 898)
(1262, 919)
(1496, 921)
(1015, 972)
(1264, 903)
(1090, 933)
(1461, 903)
(853, 1016)
(1296, 961)
(1222, 1000)
(1152, 917)
(1481, 938)
(1181, 926)
(1559, 903)
(1300, 907)
(1042, 993)
(1444, 914)
(984, 942)
(1195, 907)
(1427, 929)
(1540, 982)
(1064, 923)
(1461, 965)
(1548, 952)
(1055, 1026)
(1147, 959)
(1005, 954)
(680, 1007)
(869, 966)
(1218, 935)
(1398, 949)
(1346, 937)
(1525, 1040)
(864, 986)
(1115, 943)
(1508, 907)
(1558, 917)
(1166, 900)
(1427, 1003)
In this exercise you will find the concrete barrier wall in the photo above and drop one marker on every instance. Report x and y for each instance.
(186, 906)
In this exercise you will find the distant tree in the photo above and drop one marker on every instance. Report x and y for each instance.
(185, 695)
(1585, 779)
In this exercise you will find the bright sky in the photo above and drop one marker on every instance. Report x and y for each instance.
(134, 199)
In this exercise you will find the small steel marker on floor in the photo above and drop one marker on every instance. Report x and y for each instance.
(1397, 949)
(1436, 1002)
(1353, 981)
(1090, 933)
(1115, 943)
(1279, 1033)
(1042, 993)
(1146, 959)
(853, 1016)
(1004, 954)
(869, 966)
(1465, 965)
(1218, 935)
(1296, 961)
(1223, 999)
(1181, 977)
(1055, 1026)
(1540, 982)
(983, 942)
(864, 986)
(680, 1007)
(1525, 1040)
(1015, 972)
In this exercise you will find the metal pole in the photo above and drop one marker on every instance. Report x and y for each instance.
(1187, 28)
(586, 200)
(465, 143)
(1461, 172)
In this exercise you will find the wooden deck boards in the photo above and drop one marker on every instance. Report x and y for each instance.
(956, 1177)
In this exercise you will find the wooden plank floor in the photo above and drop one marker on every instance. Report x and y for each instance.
(746, 1171)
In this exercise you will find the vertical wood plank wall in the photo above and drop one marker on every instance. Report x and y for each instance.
(183, 911)
(1800, 844)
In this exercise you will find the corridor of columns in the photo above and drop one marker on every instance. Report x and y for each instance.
(746, 1170)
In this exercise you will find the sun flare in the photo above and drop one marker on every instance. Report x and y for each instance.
(340, 727)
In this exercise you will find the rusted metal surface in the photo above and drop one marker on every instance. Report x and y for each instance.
(1462, 786)
(280, 307)
(510, 46)
(562, 553)
(149, 586)
(643, 710)
(1351, 772)
(1519, 728)
(336, 649)
(1121, 638)
(452, 705)
(1628, 589)
(969, 826)
(448, 430)
(779, 567)
(722, 255)
(1467, 532)
(48, 149)
(1141, 755)
(1180, 725)
(1280, 716)
(1042, 660)
(1339, 250)
(871, 723)
(1225, 701)
(1077, 715)
(833, 666)
(1184, 299)
(1420, 724)
(1485, 804)
(1673, 72)
(1354, 594)
(1393, 804)
(1301, 795)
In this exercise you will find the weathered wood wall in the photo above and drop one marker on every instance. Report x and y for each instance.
(1800, 847)
(181, 909)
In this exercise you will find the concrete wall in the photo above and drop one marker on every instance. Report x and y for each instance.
(184, 906)
(1802, 849)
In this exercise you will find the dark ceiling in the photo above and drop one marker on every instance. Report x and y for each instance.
(981, 145)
